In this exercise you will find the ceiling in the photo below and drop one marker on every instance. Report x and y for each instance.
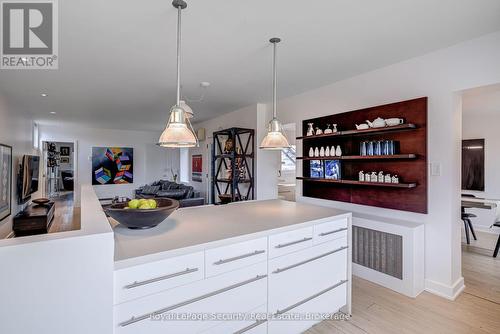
(483, 100)
(117, 57)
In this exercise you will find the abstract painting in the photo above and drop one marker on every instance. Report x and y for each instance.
(5, 181)
(112, 165)
(196, 167)
(473, 164)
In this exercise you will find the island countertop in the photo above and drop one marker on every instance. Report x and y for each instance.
(194, 229)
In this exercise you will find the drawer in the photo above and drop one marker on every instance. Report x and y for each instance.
(255, 323)
(297, 276)
(139, 281)
(235, 256)
(326, 301)
(291, 241)
(330, 231)
(196, 306)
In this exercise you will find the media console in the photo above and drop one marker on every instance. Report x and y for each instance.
(36, 219)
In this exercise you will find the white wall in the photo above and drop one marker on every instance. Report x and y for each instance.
(441, 76)
(150, 161)
(15, 131)
(477, 125)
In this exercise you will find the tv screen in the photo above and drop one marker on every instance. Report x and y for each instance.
(29, 173)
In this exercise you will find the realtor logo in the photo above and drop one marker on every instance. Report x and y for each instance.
(29, 35)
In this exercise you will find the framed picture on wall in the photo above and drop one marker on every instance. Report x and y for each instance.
(65, 151)
(65, 160)
(5, 181)
(112, 165)
(196, 167)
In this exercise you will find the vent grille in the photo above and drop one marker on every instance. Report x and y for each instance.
(378, 250)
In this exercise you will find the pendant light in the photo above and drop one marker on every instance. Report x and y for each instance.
(275, 139)
(179, 132)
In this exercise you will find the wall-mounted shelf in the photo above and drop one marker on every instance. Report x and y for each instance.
(363, 157)
(359, 183)
(410, 138)
(231, 180)
(231, 156)
(371, 131)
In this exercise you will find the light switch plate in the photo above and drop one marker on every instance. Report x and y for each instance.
(435, 169)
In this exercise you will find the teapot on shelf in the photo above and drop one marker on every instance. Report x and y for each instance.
(362, 126)
(377, 123)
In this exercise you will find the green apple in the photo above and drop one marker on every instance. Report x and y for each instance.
(152, 203)
(133, 204)
(144, 206)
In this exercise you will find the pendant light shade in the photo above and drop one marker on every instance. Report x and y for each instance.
(275, 138)
(179, 132)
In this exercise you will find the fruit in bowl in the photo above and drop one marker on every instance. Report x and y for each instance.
(142, 213)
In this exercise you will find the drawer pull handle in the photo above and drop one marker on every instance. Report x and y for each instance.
(293, 243)
(250, 327)
(332, 232)
(291, 307)
(231, 259)
(280, 270)
(161, 278)
(189, 301)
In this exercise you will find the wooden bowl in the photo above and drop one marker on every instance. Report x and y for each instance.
(225, 199)
(41, 201)
(142, 219)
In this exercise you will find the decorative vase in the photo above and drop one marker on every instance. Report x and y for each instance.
(338, 151)
(327, 130)
(311, 152)
(332, 151)
(381, 177)
(334, 127)
(373, 177)
(319, 131)
(322, 152)
(361, 176)
(310, 129)
(327, 152)
(316, 152)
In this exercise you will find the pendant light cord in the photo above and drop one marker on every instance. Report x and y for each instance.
(179, 11)
(275, 79)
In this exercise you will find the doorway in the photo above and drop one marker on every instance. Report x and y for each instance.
(59, 171)
(480, 199)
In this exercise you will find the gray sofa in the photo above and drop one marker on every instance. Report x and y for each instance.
(186, 195)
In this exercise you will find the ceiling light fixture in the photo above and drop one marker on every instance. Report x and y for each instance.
(275, 138)
(179, 132)
(44, 95)
(53, 112)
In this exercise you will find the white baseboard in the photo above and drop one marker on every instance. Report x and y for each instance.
(450, 292)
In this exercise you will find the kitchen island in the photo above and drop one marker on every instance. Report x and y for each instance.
(251, 267)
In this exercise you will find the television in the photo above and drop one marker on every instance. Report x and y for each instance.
(28, 177)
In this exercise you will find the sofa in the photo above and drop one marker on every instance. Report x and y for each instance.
(186, 195)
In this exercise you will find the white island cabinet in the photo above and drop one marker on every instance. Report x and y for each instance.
(256, 267)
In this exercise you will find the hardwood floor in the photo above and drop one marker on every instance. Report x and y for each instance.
(476, 310)
(66, 216)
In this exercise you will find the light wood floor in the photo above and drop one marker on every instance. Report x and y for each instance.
(476, 310)
(66, 216)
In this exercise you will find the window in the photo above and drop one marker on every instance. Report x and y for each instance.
(288, 158)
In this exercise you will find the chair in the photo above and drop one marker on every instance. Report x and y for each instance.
(467, 222)
(495, 253)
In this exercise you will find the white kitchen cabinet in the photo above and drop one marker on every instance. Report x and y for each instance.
(305, 270)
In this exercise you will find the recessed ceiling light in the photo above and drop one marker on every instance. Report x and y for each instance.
(53, 112)
(44, 95)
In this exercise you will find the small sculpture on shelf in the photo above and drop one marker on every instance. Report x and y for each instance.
(332, 151)
(361, 176)
(310, 129)
(338, 151)
(388, 179)
(327, 130)
(322, 151)
(319, 131)
(380, 177)
(311, 152)
(334, 128)
(228, 146)
(395, 179)
(327, 151)
(373, 177)
(316, 152)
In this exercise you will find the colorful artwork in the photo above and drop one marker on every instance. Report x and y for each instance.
(317, 170)
(5, 181)
(332, 169)
(197, 167)
(112, 165)
(65, 151)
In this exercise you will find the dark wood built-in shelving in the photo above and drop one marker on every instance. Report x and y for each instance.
(409, 164)
(359, 183)
(363, 157)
